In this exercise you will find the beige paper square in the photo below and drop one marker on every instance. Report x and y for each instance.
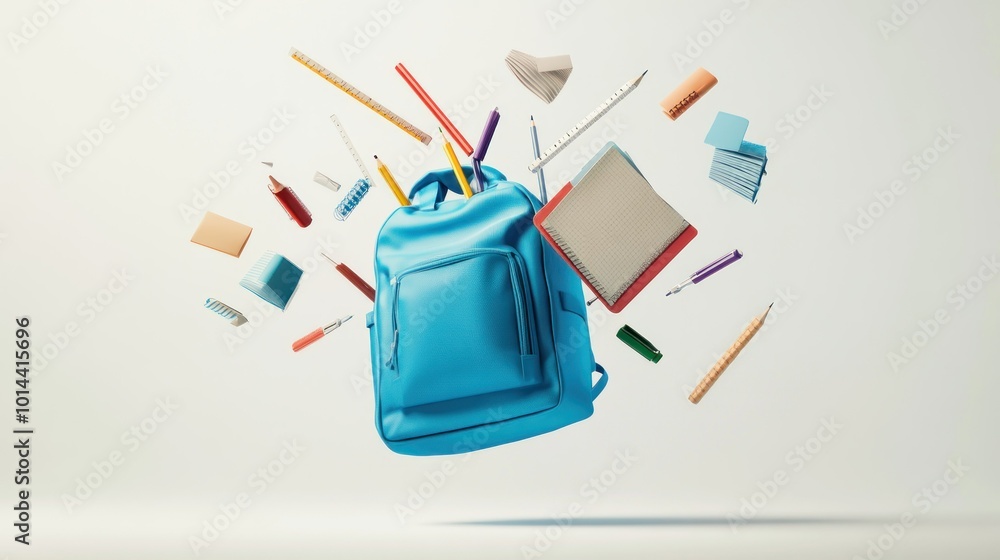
(222, 234)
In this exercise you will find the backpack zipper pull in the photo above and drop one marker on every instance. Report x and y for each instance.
(391, 364)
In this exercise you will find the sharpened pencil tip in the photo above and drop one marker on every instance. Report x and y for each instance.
(763, 315)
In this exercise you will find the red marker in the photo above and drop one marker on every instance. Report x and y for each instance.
(290, 202)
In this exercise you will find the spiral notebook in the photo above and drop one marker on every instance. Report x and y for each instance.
(613, 228)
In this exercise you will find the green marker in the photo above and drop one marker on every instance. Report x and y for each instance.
(637, 342)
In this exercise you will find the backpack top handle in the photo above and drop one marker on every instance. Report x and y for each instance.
(430, 190)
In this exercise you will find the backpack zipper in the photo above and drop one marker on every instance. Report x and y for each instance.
(520, 301)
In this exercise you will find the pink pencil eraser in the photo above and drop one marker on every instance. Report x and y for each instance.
(692, 89)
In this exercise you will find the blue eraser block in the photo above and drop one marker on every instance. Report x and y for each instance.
(273, 279)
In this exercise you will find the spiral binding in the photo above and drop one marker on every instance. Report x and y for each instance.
(577, 263)
(351, 199)
(599, 287)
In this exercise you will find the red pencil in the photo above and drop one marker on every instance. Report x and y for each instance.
(438, 113)
(353, 278)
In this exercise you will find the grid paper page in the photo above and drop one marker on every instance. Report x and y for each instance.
(613, 225)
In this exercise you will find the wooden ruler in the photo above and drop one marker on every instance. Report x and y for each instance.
(356, 93)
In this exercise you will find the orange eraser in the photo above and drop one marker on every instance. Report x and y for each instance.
(693, 88)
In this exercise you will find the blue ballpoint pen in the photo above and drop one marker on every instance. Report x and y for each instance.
(542, 195)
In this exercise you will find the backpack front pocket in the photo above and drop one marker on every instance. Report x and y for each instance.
(462, 326)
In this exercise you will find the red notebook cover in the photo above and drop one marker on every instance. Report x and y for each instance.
(642, 281)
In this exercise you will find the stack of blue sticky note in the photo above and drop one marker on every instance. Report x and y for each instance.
(273, 279)
(736, 165)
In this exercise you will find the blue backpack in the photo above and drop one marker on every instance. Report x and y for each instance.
(479, 334)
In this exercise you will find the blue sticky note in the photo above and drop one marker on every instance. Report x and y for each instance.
(727, 132)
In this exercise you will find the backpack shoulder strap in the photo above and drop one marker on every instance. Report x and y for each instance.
(601, 383)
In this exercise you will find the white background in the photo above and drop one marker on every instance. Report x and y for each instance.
(849, 299)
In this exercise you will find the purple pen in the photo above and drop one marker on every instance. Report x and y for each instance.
(488, 130)
(708, 270)
(477, 172)
(484, 143)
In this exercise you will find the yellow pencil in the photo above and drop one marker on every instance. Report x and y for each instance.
(455, 166)
(713, 374)
(387, 175)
